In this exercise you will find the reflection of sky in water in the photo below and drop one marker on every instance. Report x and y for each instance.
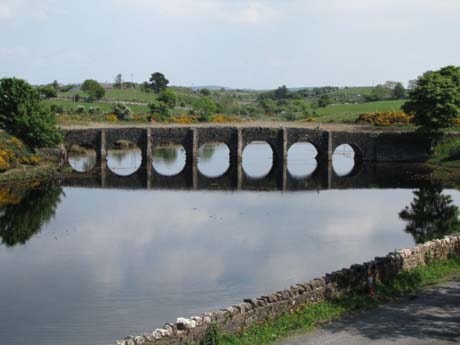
(115, 262)
(124, 162)
(169, 160)
(257, 159)
(343, 160)
(83, 162)
(302, 160)
(213, 159)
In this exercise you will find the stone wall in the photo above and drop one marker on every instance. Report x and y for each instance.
(254, 311)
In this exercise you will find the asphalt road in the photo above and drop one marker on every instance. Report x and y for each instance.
(430, 317)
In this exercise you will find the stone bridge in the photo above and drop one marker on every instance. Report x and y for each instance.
(368, 147)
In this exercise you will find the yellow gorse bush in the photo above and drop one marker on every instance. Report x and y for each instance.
(219, 118)
(111, 118)
(14, 152)
(386, 118)
(183, 119)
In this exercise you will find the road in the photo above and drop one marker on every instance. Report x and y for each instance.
(430, 317)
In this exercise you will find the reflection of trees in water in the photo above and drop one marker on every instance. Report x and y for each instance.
(20, 221)
(125, 156)
(119, 155)
(89, 163)
(167, 154)
(207, 151)
(431, 215)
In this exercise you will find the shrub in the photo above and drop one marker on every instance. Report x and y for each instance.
(57, 108)
(310, 119)
(122, 112)
(385, 118)
(159, 111)
(168, 97)
(22, 114)
(13, 152)
(48, 91)
(80, 109)
(93, 89)
(205, 106)
(66, 88)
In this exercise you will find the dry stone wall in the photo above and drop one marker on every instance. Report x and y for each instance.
(235, 319)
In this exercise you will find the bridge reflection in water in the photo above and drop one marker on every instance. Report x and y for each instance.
(363, 175)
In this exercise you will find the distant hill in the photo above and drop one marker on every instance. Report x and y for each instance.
(210, 87)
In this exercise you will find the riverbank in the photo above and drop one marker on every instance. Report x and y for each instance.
(18, 162)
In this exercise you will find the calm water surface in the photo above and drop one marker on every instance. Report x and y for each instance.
(84, 266)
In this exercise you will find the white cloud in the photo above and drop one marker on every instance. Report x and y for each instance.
(249, 12)
(37, 9)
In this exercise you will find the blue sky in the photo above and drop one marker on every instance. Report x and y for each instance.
(237, 43)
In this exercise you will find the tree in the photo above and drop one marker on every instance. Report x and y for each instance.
(158, 82)
(324, 101)
(118, 82)
(205, 107)
(48, 91)
(169, 97)
(378, 93)
(399, 92)
(435, 99)
(93, 89)
(55, 85)
(282, 92)
(205, 92)
(22, 220)
(22, 114)
(431, 215)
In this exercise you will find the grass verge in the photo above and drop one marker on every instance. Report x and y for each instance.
(306, 318)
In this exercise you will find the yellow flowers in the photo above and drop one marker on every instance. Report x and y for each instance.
(12, 195)
(183, 119)
(14, 152)
(225, 118)
(386, 118)
(111, 118)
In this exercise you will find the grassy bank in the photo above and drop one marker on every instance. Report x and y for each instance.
(308, 317)
(447, 154)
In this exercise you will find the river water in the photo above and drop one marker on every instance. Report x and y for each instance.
(86, 265)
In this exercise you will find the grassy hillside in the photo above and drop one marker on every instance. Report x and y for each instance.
(299, 104)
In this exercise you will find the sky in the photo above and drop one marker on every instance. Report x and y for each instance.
(256, 44)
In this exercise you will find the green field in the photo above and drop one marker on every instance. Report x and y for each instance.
(301, 104)
(350, 112)
(106, 107)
